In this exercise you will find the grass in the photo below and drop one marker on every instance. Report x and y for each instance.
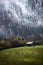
(22, 56)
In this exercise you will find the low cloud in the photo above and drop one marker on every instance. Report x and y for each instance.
(20, 9)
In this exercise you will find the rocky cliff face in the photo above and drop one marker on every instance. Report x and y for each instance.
(21, 18)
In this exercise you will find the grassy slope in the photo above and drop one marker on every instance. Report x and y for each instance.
(22, 56)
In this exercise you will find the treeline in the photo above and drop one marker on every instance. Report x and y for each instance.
(12, 43)
(16, 42)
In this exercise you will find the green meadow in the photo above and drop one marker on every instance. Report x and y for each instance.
(22, 56)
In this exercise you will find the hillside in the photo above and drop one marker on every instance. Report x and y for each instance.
(22, 18)
(22, 56)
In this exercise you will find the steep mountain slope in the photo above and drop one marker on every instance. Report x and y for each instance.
(21, 18)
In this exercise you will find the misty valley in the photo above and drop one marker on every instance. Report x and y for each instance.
(21, 32)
